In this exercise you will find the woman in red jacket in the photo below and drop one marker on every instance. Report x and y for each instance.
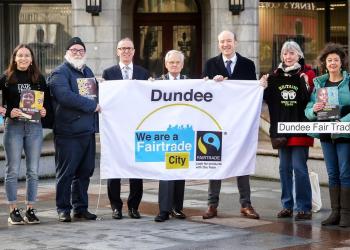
(287, 94)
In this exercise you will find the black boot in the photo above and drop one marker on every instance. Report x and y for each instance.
(344, 207)
(334, 217)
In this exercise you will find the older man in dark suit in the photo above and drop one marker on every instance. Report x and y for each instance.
(125, 70)
(230, 65)
(171, 193)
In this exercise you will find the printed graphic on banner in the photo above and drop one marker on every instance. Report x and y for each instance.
(178, 146)
(208, 146)
(177, 160)
(151, 146)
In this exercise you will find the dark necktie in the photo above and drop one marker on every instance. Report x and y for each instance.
(228, 67)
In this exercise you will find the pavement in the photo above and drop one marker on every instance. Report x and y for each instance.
(228, 231)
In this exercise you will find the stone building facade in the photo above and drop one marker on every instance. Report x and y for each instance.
(119, 18)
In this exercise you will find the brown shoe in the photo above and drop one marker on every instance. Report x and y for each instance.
(285, 213)
(210, 213)
(249, 212)
(301, 215)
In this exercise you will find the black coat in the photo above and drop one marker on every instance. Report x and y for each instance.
(243, 70)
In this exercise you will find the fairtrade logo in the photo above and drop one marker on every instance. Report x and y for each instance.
(209, 139)
(209, 146)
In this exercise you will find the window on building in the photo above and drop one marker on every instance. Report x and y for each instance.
(45, 27)
(311, 24)
(167, 6)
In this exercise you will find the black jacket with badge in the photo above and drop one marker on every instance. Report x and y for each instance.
(286, 97)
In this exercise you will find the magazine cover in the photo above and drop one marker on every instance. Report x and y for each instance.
(87, 87)
(329, 96)
(31, 103)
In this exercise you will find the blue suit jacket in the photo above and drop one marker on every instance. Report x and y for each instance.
(115, 73)
(244, 68)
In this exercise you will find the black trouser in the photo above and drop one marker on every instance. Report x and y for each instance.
(75, 164)
(135, 195)
(171, 195)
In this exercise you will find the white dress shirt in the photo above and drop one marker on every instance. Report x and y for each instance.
(233, 61)
(129, 70)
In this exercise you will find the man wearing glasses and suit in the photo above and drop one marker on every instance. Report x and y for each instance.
(125, 70)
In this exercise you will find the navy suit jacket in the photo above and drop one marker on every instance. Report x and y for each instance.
(243, 70)
(115, 73)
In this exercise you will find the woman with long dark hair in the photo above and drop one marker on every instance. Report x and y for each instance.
(20, 134)
(335, 147)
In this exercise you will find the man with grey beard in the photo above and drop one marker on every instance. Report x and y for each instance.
(75, 124)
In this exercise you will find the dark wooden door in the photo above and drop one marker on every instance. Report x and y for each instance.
(157, 33)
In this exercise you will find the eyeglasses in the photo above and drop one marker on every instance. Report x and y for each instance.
(76, 51)
(126, 49)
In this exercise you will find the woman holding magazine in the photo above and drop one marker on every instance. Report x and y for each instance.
(22, 131)
(335, 147)
(287, 94)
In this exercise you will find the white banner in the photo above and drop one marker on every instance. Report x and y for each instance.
(183, 129)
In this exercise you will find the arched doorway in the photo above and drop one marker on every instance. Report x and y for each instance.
(45, 25)
(160, 26)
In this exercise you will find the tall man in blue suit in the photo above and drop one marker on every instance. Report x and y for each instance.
(125, 70)
(229, 65)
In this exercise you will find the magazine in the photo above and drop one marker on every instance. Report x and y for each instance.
(87, 87)
(31, 102)
(329, 96)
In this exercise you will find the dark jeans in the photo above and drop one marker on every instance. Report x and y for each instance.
(337, 158)
(293, 160)
(75, 164)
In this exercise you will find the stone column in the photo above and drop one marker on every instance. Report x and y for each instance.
(99, 33)
(245, 25)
